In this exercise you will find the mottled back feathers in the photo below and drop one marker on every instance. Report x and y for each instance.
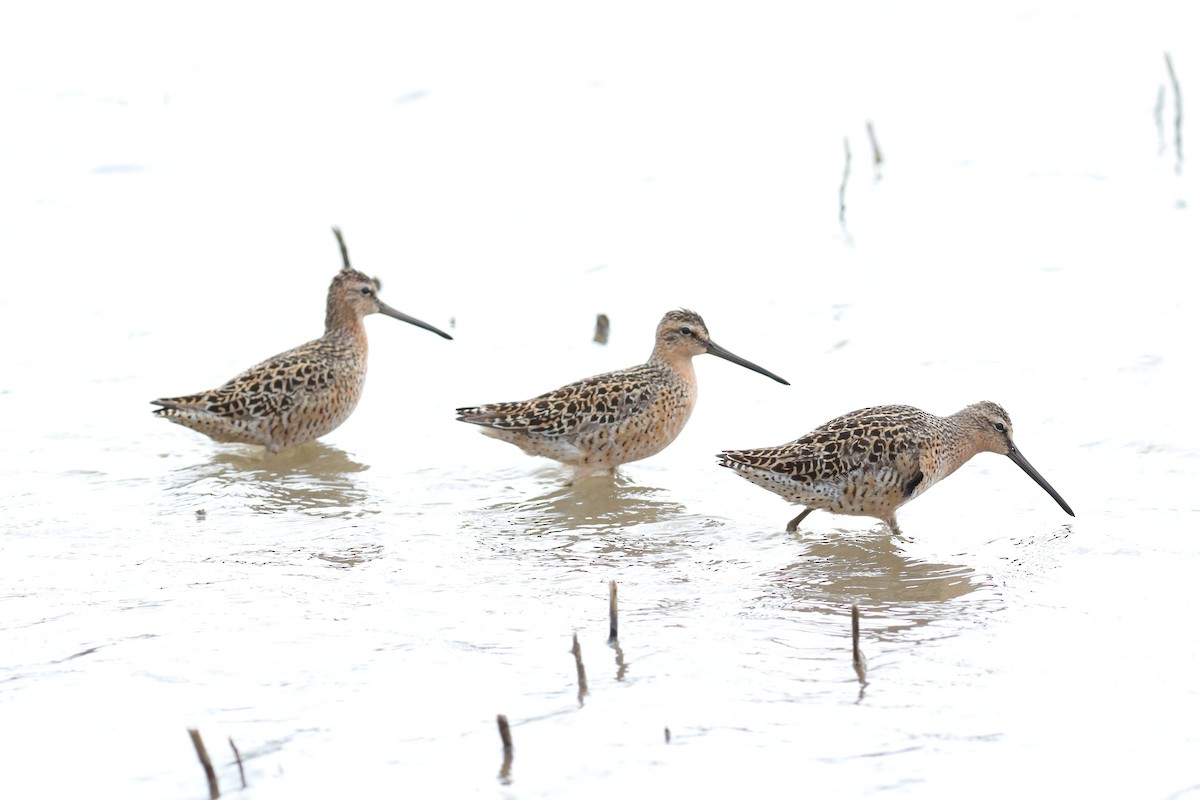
(874, 460)
(601, 422)
(303, 393)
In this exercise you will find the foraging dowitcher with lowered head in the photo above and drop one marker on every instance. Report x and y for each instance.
(597, 424)
(303, 393)
(874, 460)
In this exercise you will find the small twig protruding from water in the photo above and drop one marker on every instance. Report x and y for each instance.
(505, 733)
(612, 611)
(667, 735)
(237, 755)
(506, 740)
(1159, 102)
(876, 154)
(342, 245)
(1178, 113)
(582, 675)
(860, 663)
(845, 179)
(213, 790)
(601, 334)
(613, 642)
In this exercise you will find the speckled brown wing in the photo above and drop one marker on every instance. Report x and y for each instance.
(293, 397)
(269, 388)
(602, 400)
(873, 451)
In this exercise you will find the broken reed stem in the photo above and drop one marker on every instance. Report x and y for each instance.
(505, 733)
(342, 245)
(1178, 113)
(1159, 102)
(876, 155)
(612, 611)
(238, 756)
(578, 653)
(860, 663)
(601, 334)
(506, 740)
(213, 790)
(845, 178)
(613, 642)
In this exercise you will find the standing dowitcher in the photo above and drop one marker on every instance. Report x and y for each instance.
(599, 423)
(874, 460)
(303, 393)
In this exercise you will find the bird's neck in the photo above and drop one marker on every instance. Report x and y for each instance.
(960, 444)
(340, 320)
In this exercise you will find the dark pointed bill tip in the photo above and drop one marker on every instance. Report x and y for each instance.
(716, 350)
(384, 308)
(1021, 462)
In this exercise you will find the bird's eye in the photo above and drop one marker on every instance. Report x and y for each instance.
(998, 426)
(686, 331)
(367, 291)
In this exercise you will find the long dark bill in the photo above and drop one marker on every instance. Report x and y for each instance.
(384, 308)
(716, 350)
(1016, 456)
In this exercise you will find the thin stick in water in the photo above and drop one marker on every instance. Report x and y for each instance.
(238, 756)
(1178, 113)
(876, 154)
(579, 666)
(213, 790)
(1159, 102)
(601, 334)
(860, 663)
(612, 611)
(506, 740)
(845, 179)
(505, 733)
(613, 642)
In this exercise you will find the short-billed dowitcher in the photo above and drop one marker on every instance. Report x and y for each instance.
(597, 424)
(874, 460)
(303, 393)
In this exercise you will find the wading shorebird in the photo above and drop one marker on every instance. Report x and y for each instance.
(597, 424)
(303, 393)
(872, 461)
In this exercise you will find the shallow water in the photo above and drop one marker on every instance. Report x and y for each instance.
(354, 613)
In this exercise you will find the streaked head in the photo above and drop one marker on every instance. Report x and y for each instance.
(358, 294)
(993, 426)
(995, 436)
(683, 333)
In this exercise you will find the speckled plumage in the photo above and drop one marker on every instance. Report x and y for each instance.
(303, 393)
(874, 460)
(597, 424)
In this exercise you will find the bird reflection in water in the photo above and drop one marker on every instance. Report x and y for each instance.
(314, 479)
(836, 570)
(588, 507)
(597, 522)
